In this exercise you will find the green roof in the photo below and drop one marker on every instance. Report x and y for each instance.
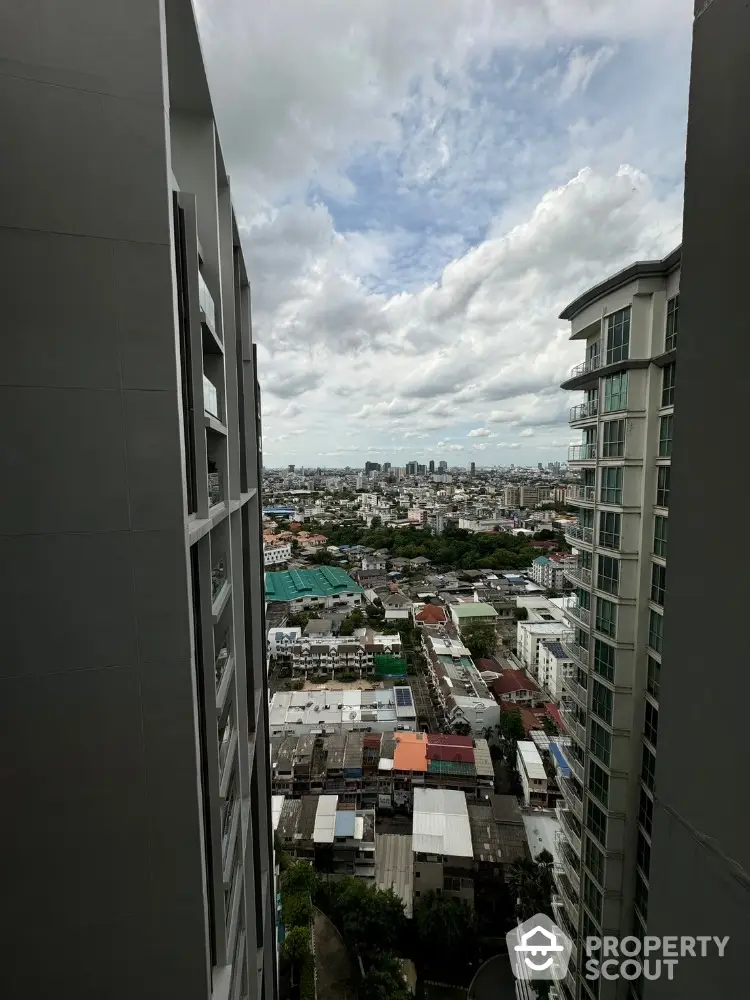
(324, 581)
(459, 768)
(474, 610)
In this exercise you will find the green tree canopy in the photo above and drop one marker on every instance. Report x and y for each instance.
(371, 920)
(296, 947)
(384, 981)
(531, 884)
(445, 927)
(480, 638)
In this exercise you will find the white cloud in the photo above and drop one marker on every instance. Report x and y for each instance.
(421, 188)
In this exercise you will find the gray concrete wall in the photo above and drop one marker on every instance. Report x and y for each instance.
(701, 839)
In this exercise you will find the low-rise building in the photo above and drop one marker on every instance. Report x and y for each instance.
(472, 611)
(529, 639)
(276, 553)
(517, 688)
(549, 571)
(532, 773)
(460, 692)
(298, 713)
(280, 643)
(336, 838)
(328, 655)
(555, 665)
(323, 587)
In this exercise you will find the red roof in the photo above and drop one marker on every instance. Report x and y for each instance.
(449, 739)
(491, 664)
(513, 680)
(554, 713)
(530, 718)
(462, 755)
(431, 614)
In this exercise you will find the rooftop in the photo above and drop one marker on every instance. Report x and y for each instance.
(511, 681)
(323, 581)
(474, 609)
(441, 823)
(394, 866)
(531, 760)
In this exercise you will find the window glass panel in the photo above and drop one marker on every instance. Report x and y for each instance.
(673, 311)
(598, 782)
(609, 529)
(658, 583)
(666, 427)
(643, 855)
(613, 439)
(611, 491)
(616, 392)
(606, 617)
(600, 742)
(655, 624)
(651, 723)
(663, 475)
(652, 683)
(601, 703)
(646, 811)
(648, 768)
(604, 659)
(608, 574)
(592, 897)
(660, 536)
(618, 336)
(594, 859)
(668, 375)
(596, 822)
(641, 894)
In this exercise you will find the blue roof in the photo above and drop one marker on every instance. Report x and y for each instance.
(345, 823)
(554, 749)
(541, 561)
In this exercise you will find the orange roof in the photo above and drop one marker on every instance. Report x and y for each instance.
(410, 752)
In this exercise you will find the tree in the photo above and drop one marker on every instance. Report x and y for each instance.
(296, 947)
(531, 884)
(371, 920)
(445, 927)
(521, 614)
(375, 523)
(511, 725)
(384, 981)
(461, 728)
(480, 638)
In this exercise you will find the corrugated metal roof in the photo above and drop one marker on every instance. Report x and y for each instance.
(325, 819)
(394, 867)
(441, 823)
(345, 824)
(532, 762)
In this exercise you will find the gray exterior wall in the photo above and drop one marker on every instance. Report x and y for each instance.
(110, 842)
(701, 838)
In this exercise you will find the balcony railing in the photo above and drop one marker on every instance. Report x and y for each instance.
(218, 578)
(582, 615)
(569, 863)
(215, 489)
(579, 574)
(206, 302)
(573, 725)
(584, 410)
(577, 652)
(589, 365)
(572, 800)
(568, 893)
(211, 399)
(585, 493)
(582, 452)
(576, 690)
(225, 732)
(220, 664)
(575, 766)
(563, 920)
(570, 826)
(580, 533)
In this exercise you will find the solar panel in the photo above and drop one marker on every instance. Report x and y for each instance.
(403, 697)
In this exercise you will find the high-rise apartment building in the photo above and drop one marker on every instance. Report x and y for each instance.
(432, 465)
(136, 834)
(628, 326)
(473, 468)
(699, 878)
(443, 466)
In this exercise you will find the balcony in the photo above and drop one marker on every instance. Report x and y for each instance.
(210, 398)
(584, 494)
(578, 653)
(562, 920)
(219, 579)
(220, 664)
(579, 614)
(569, 863)
(589, 365)
(582, 452)
(576, 690)
(572, 724)
(584, 410)
(575, 765)
(580, 534)
(568, 893)
(206, 303)
(579, 574)
(572, 799)
(215, 489)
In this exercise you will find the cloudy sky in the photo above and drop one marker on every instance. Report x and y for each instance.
(422, 185)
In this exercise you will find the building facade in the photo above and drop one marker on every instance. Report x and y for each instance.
(137, 852)
(628, 326)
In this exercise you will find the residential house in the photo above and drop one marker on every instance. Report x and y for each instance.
(431, 614)
(517, 687)
(532, 773)
(472, 611)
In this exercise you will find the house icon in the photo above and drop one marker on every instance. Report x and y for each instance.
(539, 941)
(539, 949)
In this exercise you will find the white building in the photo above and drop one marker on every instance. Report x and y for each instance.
(301, 713)
(280, 640)
(530, 635)
(532, 774)
(332, 655)
(549, 571)
(373, 562)
(275, 553)
(441, 839)
(555, 665)
(458, 686)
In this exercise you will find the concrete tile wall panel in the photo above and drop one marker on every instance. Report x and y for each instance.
(117, 190)
(160, 594)
(67, 601)
(65, 462)
(154, 464)
(144, 308)
(84, 781)
(59, 311)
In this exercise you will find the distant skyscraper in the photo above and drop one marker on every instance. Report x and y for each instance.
(432, 465)
(411, 468)
(473, 468)
(443, 466)
(421, 470)
(290, 468)
(386, 466)
(372, 467)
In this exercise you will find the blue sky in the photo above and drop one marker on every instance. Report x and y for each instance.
(421, 189)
